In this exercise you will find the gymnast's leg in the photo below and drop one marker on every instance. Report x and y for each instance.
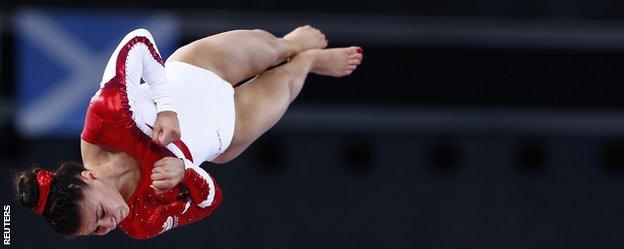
(262, 101)
(241, 54)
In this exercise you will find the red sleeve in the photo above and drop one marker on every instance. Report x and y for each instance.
(201, 186)
(204, 196)
(157, 214)
(196, 206)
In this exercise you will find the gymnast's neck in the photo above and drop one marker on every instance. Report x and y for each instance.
(118, 169)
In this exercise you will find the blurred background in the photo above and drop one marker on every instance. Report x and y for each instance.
(470, 124)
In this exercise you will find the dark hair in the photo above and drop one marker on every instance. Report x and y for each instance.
(62, 210)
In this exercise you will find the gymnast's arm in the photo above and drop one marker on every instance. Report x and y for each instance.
(137, 57)
(154, 73)
(166, 127)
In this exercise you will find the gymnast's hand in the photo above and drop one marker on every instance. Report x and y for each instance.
(166, 128)
(166, 174)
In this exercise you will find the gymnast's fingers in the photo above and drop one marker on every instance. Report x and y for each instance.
(164, 138)
(162, 184)
(158, 191)
(169, 135)
(158, 164)
(156, 133)
(159, 176)
(157, 171)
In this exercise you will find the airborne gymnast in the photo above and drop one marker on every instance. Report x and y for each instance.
(142, 143)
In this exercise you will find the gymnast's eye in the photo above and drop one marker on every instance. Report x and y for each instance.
(102, 211)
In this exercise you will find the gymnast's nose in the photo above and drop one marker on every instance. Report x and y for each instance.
(110, 223)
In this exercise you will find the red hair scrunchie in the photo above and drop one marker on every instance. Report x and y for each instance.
(44, 180)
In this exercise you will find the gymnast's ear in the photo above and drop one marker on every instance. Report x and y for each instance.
(90, 175)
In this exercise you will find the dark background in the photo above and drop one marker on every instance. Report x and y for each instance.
(470, 124)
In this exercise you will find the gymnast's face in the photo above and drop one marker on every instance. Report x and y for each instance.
(102, 208)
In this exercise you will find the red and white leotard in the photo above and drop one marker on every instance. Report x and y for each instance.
(123, 110)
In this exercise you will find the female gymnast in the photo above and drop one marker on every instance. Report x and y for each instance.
(142, 143)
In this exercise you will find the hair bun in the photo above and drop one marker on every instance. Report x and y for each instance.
(26, 187)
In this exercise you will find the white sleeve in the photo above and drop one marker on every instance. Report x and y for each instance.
(143, 61)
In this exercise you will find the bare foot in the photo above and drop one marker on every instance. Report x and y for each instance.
(306, 37)
(335, 62)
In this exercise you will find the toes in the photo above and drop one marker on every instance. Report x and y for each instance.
(324, 43)
(355, 62)
(356, 50)
(356, 57)
(322, 37)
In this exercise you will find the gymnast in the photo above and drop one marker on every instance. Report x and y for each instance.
(152, 123)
